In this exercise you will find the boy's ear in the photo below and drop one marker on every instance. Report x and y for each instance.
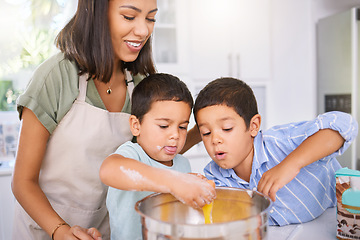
(134, 125)
(255, 125)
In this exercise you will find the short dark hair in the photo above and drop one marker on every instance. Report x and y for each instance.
(230, 92)
(86, 40)
(158, 87)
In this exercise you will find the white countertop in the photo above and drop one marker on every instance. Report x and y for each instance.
(6, 167)
(322, 228)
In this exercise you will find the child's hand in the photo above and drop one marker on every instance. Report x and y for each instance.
(193, 190)
(199, 175)
(275, 178)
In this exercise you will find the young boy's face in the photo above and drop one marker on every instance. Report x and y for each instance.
(162, 132)
(225, 137)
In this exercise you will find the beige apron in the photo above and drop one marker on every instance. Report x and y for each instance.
(70, 171)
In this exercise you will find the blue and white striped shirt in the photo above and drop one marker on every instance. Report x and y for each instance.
(312, 191)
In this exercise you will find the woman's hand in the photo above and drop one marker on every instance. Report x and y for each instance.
(77, 232)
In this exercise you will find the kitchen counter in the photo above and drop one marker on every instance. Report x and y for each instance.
(7, 199)
(322, 228)
(6, 167)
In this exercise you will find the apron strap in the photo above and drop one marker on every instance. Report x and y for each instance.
(129, 82)
(82, 87)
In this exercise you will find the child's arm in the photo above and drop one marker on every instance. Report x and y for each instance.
(319, 145)
(128, 174)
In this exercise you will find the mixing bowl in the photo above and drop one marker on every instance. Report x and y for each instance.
(237, 214)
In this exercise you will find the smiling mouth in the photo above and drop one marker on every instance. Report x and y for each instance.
(134, 44)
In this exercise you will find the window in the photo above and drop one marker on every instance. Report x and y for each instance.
(28, 30)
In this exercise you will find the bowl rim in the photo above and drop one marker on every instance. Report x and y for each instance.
(265, 211)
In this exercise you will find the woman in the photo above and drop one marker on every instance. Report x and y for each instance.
(74, 113)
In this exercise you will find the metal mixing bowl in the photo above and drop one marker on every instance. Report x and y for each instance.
(237, 214)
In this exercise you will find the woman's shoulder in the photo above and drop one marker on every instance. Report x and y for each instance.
(51, 90)
(55, 68)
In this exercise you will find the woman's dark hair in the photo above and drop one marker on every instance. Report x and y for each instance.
(86, 40)
(158, 87)
(230, 92)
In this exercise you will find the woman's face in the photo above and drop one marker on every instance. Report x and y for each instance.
(131, 23)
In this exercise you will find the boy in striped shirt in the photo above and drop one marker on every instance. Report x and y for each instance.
(293, 164)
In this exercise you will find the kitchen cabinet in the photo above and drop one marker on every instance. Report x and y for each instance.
(205, 39)
(201, 40)
(230, 38)
(170, 37)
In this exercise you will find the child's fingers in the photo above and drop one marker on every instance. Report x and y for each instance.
(208, 195)
(272, 195)
(194, 190)
(213, 192)
(270, 190)
(263, 186)
(267, 188)
(211, 182)
(199, 175)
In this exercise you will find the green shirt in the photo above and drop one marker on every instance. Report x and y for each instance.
(54, 87)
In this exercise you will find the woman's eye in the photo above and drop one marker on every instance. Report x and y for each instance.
(151, 19)
(163, 126)
(128, 18)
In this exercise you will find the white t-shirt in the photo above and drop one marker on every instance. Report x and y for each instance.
(124, 220)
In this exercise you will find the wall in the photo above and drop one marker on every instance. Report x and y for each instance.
(292, 88)
(293, 36)
(324, 8)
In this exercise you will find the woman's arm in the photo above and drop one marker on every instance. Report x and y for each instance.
(25, 185)
(319, 145)
(193, 137)
(129, 174)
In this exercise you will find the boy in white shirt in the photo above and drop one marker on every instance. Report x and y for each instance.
(161, 108)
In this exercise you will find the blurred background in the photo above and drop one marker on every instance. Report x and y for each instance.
(300, 57)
